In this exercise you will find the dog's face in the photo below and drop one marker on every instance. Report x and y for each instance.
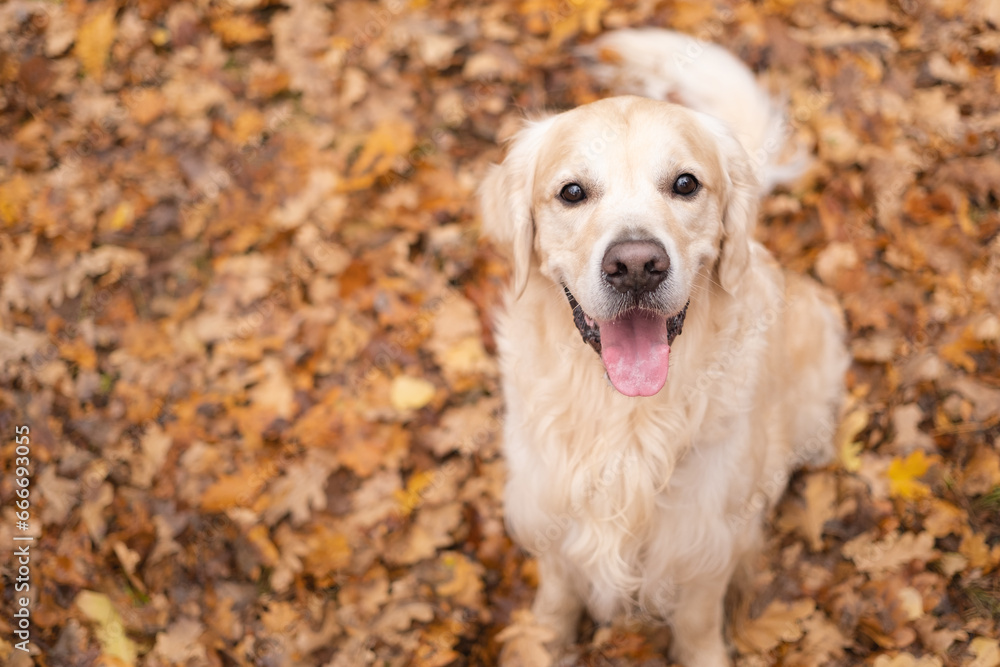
(623, 202)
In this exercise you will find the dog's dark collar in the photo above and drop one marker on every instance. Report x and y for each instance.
(591, 332)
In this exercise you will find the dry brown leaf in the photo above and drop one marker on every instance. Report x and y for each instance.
(524, 642)
(300, 490)
(907, 660)
(58, 495)
(819, 500)
(905, 420)
(873, 12)
(239, 489)
(939, 641)
(400, 616)
(430, 532)
(329, 552)
(239, 29)
(977, 552)
(779, 622)
(890, 553)
(94, 39)
(944, 518)
(179, 643)
(388, 142)
(280, 617)
(821, 642)
(982, 471)
(465, 585)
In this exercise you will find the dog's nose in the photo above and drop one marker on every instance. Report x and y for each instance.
(635, 267)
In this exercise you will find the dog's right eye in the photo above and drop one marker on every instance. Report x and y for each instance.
(686, 185)
(572, 193)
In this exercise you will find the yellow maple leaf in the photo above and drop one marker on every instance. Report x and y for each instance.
(904, 475)
(94, 39)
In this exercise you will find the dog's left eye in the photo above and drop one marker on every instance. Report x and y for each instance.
(686, 184)
(572, 193)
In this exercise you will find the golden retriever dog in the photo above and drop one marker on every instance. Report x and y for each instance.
(662, 375)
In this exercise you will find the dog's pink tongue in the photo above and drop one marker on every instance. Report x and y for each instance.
(635, 352)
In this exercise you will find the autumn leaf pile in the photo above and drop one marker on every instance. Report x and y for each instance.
(246, 314)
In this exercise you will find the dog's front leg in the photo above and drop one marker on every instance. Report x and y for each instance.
(557, 604)
(697, 624)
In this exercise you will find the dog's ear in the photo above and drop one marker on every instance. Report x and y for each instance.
(505, 197)
(739, 215)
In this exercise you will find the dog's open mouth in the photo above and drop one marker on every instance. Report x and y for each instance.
(635, 346)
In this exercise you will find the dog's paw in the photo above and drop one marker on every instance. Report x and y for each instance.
(528, 643)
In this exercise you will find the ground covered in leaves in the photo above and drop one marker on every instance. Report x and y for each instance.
(246, 315)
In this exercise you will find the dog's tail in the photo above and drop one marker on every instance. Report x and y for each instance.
(668, 65)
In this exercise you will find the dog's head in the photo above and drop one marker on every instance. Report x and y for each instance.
(623, 202)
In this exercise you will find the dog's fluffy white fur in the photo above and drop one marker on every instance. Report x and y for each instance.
(648, 505)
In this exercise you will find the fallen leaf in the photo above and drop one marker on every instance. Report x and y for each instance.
(890, 553)
(410, 393)
(905, 420)
(939, 641)
(779, 622)
(819, 498)
(982, 472)
(328, 552)
(399, 617)
(300, 491)
(465, 586)
(59, 495)
(904, 475)
(239, 489)
(524, 642)
(977, 552)
(179, 642)
(94, 39)
(987, 652)
(821, 641)
(944, 518)
(849, 449)
(109, 628)
(239, 29)
(907, 660)
(388, 142)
